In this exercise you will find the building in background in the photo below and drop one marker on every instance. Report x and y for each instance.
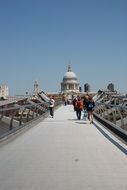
(110, 87)
(36, 88)
(87, 87)
(80, 89)
(4, 91)
(70, 84)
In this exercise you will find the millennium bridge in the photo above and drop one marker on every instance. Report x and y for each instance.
(38, 152)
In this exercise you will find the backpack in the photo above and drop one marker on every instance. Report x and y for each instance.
(90, 105)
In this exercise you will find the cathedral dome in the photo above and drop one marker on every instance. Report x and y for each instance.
(69, 75)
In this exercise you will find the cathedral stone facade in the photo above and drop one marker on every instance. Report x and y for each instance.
(70, 84)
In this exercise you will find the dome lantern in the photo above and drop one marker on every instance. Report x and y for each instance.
(69, 68)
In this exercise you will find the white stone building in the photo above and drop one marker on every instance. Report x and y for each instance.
(70, 84)
(4, 91)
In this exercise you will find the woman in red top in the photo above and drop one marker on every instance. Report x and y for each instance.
(79, 108)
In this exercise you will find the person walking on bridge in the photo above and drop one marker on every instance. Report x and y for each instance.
(51, 106)
(90, 104)
(74, 102)
(79, 108)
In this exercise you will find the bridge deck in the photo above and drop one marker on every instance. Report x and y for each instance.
(62, 153)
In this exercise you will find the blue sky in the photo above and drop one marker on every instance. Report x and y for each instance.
(38, 39)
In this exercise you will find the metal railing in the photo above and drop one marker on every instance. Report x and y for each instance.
(18, 116)
(112, 116)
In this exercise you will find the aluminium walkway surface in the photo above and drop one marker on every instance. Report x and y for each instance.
(62, 153)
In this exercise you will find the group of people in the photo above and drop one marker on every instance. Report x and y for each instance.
(86, 104)
(80, 105)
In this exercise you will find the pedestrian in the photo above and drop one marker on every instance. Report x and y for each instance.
(51, 106)
(79, 108)
(90, 104)
(74, 102)
(65, 100)
(85, 100)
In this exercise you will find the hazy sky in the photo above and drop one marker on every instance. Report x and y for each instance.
(38, 39)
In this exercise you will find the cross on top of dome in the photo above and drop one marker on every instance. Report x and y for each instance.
(69, 68)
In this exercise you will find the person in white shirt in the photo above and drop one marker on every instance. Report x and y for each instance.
(51, 106)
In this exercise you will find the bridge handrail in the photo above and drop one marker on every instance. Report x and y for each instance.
(113, 127)
(24, 106)
(32, 112)
(111, 105)
(112, 115)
